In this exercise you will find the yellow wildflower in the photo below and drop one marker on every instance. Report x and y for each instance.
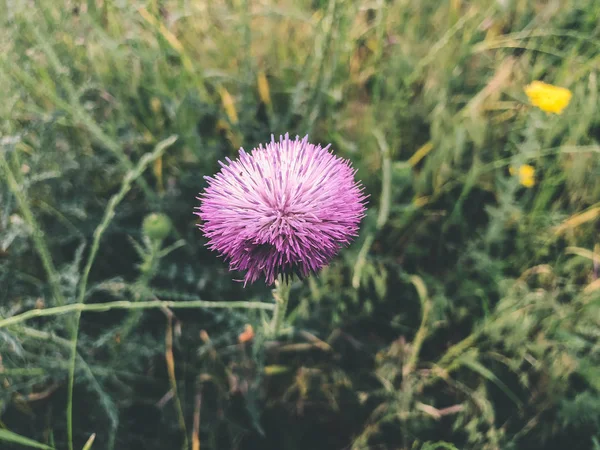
(549, 98)
(526, 174)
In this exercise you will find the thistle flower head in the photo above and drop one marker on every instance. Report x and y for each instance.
(285, 208)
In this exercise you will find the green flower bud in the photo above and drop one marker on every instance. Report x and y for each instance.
(156, 226)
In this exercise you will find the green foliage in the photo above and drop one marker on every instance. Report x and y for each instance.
(9, 436)
(466, 315)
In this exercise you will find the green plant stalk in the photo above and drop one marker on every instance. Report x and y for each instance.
(422, 331)
(9, 436)
(384, 207)
(37, 233)
(361, 259)
(124, 304)
(386, 182)
(408, 390)
(29, 372)
(281, 294)
(109, 214)
(419, 338)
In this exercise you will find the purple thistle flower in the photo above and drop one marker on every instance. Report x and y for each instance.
(284, 208)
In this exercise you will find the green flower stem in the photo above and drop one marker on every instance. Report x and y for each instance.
(153, 304)
(281, 294)
(413, 359)
(131, 176)
(384, 207)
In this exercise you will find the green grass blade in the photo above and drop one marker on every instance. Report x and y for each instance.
(14, 438)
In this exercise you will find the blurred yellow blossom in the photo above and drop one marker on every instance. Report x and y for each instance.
(549, 98)
(526, 174)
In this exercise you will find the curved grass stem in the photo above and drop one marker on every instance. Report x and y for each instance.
(423, 330)
(153, 304)
(131, 176)
(384, 207)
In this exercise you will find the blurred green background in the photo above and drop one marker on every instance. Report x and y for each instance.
(465, 316)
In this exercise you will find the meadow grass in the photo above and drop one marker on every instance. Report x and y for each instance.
(466, 315)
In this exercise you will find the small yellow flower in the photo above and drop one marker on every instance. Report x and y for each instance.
(549, 98)
(526, 174)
